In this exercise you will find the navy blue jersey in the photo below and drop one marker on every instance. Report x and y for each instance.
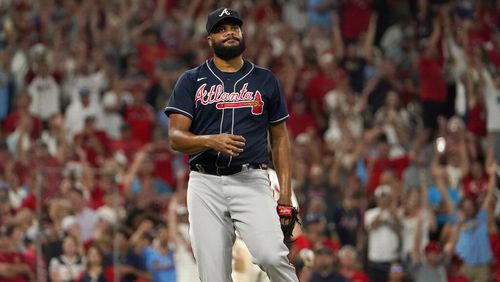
(242, 103)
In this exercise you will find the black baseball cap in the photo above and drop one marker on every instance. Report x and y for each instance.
(220, 14)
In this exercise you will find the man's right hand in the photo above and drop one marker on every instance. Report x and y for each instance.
(227, 143)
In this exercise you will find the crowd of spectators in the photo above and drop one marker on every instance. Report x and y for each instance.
(394, 121)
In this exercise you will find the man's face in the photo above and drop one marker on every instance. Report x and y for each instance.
(384, 149)
(324, 261)
(227, 41)
(433, 258)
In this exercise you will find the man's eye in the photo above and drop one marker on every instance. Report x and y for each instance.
(219, 30)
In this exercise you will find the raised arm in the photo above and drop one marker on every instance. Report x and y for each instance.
(439, 174)
(145, 226)
(280, 145)
(370, 36)
(434, 38)
(337, 41)
(416, 252)
(492, 184)
(464, 156)
(171, 219)
(424, 200)
(131, 172)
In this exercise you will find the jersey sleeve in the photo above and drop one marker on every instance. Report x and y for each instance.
(277, 107)
(182, 98)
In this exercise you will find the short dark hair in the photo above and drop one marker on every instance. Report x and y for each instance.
(382, 138)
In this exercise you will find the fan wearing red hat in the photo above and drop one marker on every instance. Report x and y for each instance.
(431, 267)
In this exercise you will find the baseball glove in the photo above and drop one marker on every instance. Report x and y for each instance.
(288, 217)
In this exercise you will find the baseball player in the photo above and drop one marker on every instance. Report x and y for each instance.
(221, 113)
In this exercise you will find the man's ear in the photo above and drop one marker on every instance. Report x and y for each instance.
(209, 39)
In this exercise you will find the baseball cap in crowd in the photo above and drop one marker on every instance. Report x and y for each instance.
(396, 268)
(359, 277)
(68, 222)
(382, 190)
(4, 185)
(84, 90)
(220, 14)
(314, 218)
(433, 247)
(107, 214)
(109, 100)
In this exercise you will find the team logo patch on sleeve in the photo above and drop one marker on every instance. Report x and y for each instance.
(225, 100)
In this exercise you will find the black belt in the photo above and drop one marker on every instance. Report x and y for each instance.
(225, 170)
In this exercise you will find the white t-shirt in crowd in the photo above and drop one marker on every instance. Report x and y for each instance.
(68, 269)
(492, 102)
(87, 219)
(45, 97)
(408, 232)
(383, 242)
(74, 118)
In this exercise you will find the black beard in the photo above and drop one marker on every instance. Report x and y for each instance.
(231, 52)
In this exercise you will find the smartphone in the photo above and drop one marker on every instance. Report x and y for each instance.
(440, 144)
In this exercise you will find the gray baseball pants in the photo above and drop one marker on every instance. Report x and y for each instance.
(219, 205)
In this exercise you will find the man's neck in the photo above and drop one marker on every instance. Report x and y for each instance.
(232, 65)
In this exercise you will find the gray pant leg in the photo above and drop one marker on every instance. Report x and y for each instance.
(211, 229)
(253, 211)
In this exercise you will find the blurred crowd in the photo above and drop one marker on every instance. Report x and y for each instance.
(395, 126)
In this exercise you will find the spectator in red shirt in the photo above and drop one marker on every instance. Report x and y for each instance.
(93, 141)
(12, 121)
(454, 273)
(150, 51)
(475, 183)
(354, 55)
(13, 265)
(494, 52)
(51, 166)
(349, 265)
(384, 162)
(301, 119)
(356, 16)
(125, 144)
(140, 116)
(433, 92)
(104, 186)
(319, 85)
(476, 110)
(316, 234)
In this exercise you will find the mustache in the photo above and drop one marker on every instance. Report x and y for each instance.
(231, 38)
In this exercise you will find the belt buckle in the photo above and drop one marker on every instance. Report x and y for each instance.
(217, 170)
(200, 168)
(245, 167)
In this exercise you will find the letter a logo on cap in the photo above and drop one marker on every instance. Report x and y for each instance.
(225, 11)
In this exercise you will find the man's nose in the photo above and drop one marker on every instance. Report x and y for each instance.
(229, 31)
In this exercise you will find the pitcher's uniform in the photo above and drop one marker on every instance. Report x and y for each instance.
(225, 193)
